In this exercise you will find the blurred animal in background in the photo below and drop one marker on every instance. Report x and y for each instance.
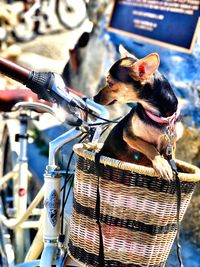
(72, 66)
(147, 135)
(8, 21)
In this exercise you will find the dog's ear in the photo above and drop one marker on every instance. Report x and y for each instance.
(145, 67)
(125, 53)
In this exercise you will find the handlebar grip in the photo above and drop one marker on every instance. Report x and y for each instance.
(14, 71)
(36, 81)
(40, 82)
(29, 78)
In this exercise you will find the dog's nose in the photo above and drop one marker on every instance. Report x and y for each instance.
(96, 98)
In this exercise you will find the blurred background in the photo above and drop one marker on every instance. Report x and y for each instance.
(77, 44)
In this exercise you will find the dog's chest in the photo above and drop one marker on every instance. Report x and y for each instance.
(150, 134)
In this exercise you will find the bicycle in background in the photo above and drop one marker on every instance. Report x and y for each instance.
(8, 21)
(85, 118)
(38, 15)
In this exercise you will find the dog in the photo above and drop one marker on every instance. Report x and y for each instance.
(147, 135)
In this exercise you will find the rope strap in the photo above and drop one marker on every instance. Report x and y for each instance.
(178, 196)
(97, 212)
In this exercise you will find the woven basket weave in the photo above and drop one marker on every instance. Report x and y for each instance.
(137, 211)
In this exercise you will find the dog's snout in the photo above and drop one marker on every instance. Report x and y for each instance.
(96, 98)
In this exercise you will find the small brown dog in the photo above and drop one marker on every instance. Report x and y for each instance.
(147, 135)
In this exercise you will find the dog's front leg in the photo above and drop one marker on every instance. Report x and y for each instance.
(160, 164)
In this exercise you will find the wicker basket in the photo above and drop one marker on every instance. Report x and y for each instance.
(137, 211)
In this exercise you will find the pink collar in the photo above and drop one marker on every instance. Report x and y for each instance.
(164, 120)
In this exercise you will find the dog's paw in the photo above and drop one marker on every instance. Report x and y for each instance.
(162, 167)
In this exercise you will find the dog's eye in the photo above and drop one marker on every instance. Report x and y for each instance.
(109, 84)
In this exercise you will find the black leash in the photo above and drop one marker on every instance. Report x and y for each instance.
(178, 196)
(97, 212)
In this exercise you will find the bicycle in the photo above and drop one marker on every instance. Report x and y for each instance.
(40, 13)
(87, 119)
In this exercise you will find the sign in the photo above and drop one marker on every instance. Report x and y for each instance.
(170, 23)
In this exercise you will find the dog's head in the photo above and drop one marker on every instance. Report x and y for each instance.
(133, 80)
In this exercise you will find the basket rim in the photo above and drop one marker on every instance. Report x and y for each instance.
(82, 150)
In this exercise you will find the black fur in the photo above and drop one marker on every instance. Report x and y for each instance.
(157, 92)
(118, 148)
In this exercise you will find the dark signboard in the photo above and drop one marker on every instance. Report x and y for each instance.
(171, 23)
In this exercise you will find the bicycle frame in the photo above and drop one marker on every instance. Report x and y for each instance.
(50, 192)
(52, 189)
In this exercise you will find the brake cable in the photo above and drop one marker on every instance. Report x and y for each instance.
(91, 113)
(64, 200)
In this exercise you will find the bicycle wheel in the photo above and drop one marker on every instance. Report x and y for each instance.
(24, 30)
(71, 14)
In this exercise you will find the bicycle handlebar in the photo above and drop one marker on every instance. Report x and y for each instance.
(14, 71)
(47, 85)
(37, 107)
(50, 87)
